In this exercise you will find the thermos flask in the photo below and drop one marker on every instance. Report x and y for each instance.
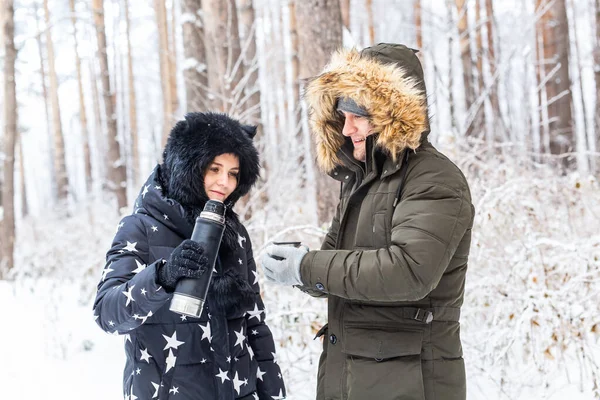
(190, 294)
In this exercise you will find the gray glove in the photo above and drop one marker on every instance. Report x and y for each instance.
(281, 264)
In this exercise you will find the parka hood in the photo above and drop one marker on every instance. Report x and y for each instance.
(192, 145)
(387, 80)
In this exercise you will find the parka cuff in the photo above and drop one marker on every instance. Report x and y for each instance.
(314, 269)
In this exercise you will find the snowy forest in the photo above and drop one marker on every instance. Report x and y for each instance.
(91, 89)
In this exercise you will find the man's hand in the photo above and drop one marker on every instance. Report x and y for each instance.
(281, 264)
(186, 261)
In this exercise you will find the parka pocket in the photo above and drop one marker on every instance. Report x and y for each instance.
(383, 363)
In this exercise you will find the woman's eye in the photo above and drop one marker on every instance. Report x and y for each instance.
(234, 174)
(214, 169)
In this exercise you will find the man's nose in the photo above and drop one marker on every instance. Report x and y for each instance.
(349, 127)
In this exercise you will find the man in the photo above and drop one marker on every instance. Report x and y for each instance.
(393, 263)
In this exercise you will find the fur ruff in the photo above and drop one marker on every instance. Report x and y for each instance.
(230, 294)
(396, 105)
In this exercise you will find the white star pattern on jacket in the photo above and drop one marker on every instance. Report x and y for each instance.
(240, 337)
(145, 355)
(259, 374)
(223, 375)
(129, 295)
(106, 271)
(130, 246)
(255, 313)
(172, 341)
(140, 267)
(145, 191)
(174, 390)
(278, 397)
(241, 239)
(237, 384)
(131, 395)
(156, 386)
(206, 332)
(171, 359)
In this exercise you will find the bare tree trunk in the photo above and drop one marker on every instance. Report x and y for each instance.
(251, 90)
(589, 144)
(491, 54)
(173, 60)
(597, 74)
(553, 26)
(60, 166)
(102, 166)
(225, 69)
(449, 4)
(43, 78)
(295, 66)
(320, 33)
(82, 113)
(418, 23)
(165, 73)
(467, 61)
(24, 202)
(345, 9)
(10, 136)
(195, 74)
(117, 178)
(479, 121)
(370, 22)
(133, 128)
(251, 100)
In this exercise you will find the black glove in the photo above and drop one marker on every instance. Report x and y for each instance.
(186, 261)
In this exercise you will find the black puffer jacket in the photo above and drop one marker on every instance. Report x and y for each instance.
(227, 353)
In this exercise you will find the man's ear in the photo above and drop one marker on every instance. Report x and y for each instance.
(250, 130)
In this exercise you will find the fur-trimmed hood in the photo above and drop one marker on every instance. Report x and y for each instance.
(193, 143)
(387, 80)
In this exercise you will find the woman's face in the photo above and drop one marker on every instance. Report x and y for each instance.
(221, 177)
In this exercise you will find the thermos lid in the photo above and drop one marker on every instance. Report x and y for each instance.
(214, 206)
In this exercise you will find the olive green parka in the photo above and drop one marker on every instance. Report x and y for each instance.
(393, 263)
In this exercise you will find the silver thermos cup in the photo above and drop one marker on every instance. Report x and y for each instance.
(190, 294)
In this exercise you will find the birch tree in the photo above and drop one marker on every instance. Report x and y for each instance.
(553, 36)
(23, 189)
(133, 127)
(194, 70)
(319, 25)
(116, 179)
(491, 56)
(597, 74)
(467, 62)
(82, 112)
(10, 137)
(165, 65)
(40, 45)
(60, 166)
(251, 89)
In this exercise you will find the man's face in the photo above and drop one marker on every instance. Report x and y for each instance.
(357, 128)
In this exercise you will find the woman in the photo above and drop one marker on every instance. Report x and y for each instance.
(227, 353)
